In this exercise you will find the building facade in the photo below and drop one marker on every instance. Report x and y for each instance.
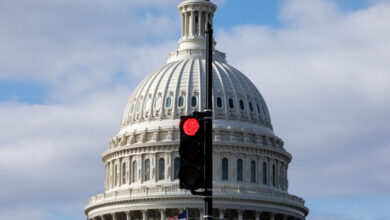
(250, 162)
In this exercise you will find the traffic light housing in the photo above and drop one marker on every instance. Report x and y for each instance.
(191, 172)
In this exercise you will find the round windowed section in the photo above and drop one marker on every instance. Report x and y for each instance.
(193, 101)
(231, 103)
(180, 102)
(219, 102)
(168, 102)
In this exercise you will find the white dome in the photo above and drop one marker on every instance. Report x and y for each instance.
(178, 88)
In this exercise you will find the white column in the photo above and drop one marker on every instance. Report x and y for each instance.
(201, 214)
(163, 214)
(112, 174)
(187, 24)
(183, 20)
(114, 216)
(128, 216)
(145, 214)
(240, 212)
(102, 217)
(192, 24)
(257, 215)
(120, 172)
(221, 214)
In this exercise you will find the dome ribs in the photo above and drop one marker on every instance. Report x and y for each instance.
(215, 92)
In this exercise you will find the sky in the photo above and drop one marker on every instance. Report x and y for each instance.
(67, 69)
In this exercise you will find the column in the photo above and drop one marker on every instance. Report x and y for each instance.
(221, 214)
(257, 215)
(112, 174)
(128, 216)
(272, 216)
(183, 25)
(240, 212)
(201, 23)
(120, 172)
(106, 179)
(284, 217)
(201, 214)
(114, 216)
(102, 217)
(187, 24)
(192, 24)
(163, 214)
(144, 214)
(269, 178)
(277, 175)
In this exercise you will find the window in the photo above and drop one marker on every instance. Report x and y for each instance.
(253, 171)
(239, 170)
(147, 170)
(242, 107)
(123, 173)
(273, 175)
(250, 106)
(231, 103)
(193, 101)
(264, 173)
(176, 164)
(168, 102)
(135, 176)
(219, 102)
(138, 106)
(161, 169)
(225, 169)
(181, 101)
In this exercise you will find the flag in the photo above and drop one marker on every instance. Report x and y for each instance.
(181, 216)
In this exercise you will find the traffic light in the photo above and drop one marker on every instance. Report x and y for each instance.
(191, 172)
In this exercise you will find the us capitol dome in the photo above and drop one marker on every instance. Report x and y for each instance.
(250, 162)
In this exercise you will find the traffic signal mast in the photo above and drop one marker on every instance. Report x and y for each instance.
(195, 149)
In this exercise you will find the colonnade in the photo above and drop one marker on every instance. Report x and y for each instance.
(219, 214)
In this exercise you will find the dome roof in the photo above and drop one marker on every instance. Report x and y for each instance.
(178, 88)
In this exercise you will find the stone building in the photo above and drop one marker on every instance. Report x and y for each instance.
(142, 161)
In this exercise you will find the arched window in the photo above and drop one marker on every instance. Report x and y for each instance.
(253, 171)
(181, 101)
(273, 175)
(250, 106)
(135, 171)
(161, 169)
(239, 170)
(242, 104)
(168, 102)
(115, 175)
(225, 169)
(264, 173)
(123, 173)
(219, 102)
(147, 170)
(176, 165)
(138, 106)
(193, 101)
(231, 103)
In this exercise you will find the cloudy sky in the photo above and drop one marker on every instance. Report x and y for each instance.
(67, 69)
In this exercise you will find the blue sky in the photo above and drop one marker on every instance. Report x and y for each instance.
(68, 68)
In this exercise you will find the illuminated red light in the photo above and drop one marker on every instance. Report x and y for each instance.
(191, 126)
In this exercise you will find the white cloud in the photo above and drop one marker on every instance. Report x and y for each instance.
(325, 75)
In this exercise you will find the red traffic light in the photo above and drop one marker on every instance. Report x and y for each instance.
(191, 126)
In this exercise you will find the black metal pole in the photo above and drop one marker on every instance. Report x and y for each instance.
(208, 201)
